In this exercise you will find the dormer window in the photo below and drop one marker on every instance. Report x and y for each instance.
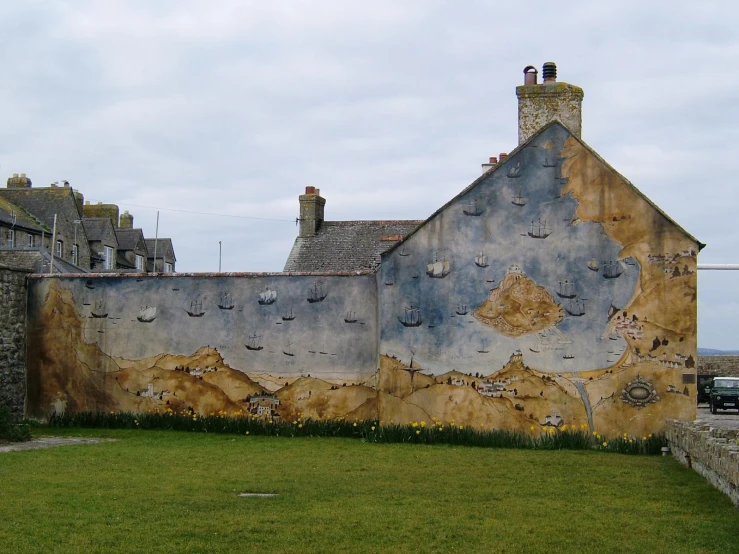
(140, 263)
(59, 248)
(11, 238)
(75, 254)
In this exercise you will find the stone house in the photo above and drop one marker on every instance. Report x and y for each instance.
(39, 206)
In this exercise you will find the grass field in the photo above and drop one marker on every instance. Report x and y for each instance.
(160, 491)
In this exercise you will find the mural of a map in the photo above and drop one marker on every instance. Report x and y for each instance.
(549, 291)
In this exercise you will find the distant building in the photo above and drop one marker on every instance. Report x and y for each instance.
(165, 260)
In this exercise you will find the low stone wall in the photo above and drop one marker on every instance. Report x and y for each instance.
(719, 366)
(13, 340)
(711, 451)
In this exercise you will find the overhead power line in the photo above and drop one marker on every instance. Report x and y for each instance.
(200, 213)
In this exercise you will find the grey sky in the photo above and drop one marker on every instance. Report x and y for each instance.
(389, 107)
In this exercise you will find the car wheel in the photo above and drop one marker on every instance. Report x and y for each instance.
(713, 408)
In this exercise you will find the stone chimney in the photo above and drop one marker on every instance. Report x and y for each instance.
(19, 181)
(126, 220)
(311, 212)
(492, 162)
(539, 104)
(101, 210)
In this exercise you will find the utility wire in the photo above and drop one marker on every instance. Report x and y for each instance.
(201, 213)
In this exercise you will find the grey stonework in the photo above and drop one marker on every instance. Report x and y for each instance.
(711, 451)
(720, 366)
(13, 340)
(539, 105)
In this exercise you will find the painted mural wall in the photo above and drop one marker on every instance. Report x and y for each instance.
(270, 345)
(549, 292)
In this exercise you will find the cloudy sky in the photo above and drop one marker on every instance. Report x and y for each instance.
(232, 107)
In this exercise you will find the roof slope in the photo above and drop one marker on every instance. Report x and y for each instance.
(341, 246)
(128, 239)
(22, 219)
(95, 228)
(164, 248)
(43, 203)
(36, 261)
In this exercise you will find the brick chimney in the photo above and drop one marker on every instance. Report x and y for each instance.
(126, 220)
(311, 212)
(539, 104)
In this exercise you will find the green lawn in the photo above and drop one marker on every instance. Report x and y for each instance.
(166, 491)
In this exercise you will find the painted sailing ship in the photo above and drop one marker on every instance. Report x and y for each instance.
(411, 317)
(438, 269)
(462, 309)
(515, 171)
(539, 229)
(226, 302)
(568, 356)
(196, 309)
(267, 297)
(403, 252)
(483, 347)
(481, 260)
(593, 265)
(612, 269)
(518, 198)
(350, 317)
(575, 308)
(147, 314)
(98, 309)
(317, 292)
(287, 351)
(567, 289)
(254, 343)
(549, 163)
(288, 316)
(473, 208)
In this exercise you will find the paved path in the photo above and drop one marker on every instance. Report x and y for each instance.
(48, 442)
(726, 419)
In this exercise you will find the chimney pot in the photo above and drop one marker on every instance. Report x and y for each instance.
(23, 175)
(310, 190)
(15, 175)
(529, 75)
(493, 160)
(549, 72)
(87, 202)
(318, 191)
(503, 156)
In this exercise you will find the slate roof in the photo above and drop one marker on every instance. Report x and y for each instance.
(23, 219)
(341, 246)
(95, 227)
(36, 261)
(164, 249)
(129, 238)
(43, 203)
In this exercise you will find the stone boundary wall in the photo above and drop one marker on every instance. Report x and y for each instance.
(712, 452)
(13, 340)
(724, 366)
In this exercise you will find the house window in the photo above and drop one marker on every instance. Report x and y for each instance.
(108, 258)
(167, 267)
(11, 238)
(140, 263)
(59, 248)
(75, 254)
(31, 241)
